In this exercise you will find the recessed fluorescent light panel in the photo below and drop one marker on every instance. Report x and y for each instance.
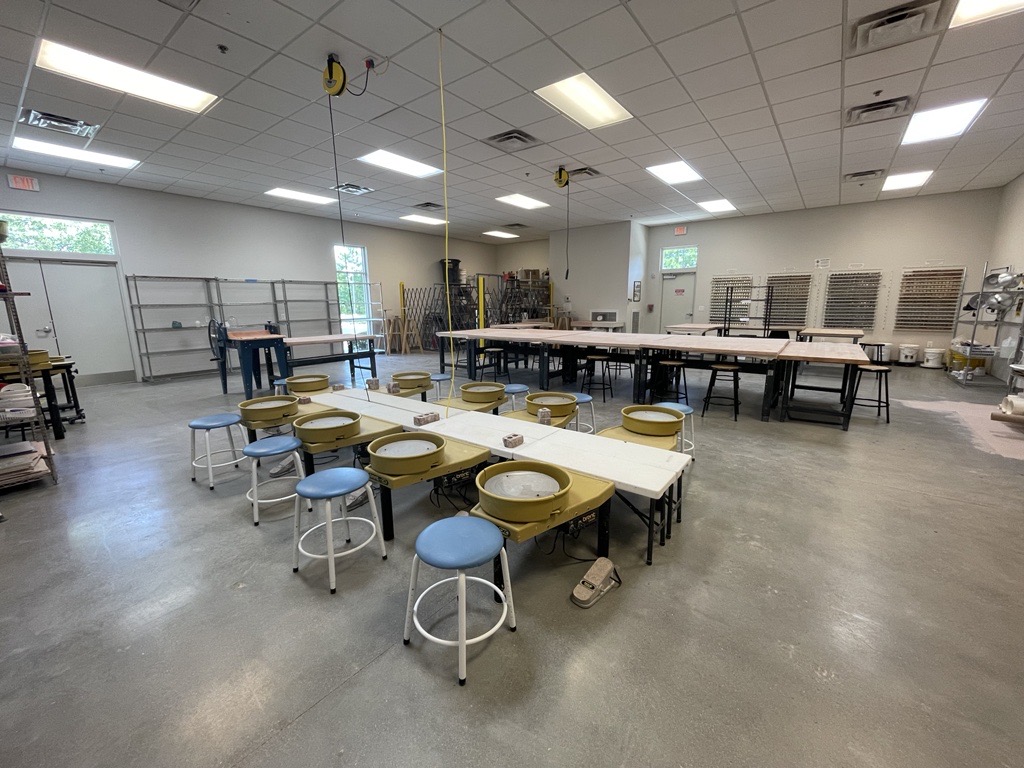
(970, 11)
(118, 77)
(943, 122)
(393, 162)
(906, 180)
(70, 153)
(674, 173)
(304, 197)
(522, 201)
(717, 206)
(583, 100)
(498, 233)
(423, 219)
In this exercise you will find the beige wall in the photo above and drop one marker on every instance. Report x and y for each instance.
(953, 229)
(1008, 251)
(530, 255)
(598, 268)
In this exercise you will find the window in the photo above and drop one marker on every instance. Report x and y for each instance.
(353, 288)
(684, 257)
(735, 288)
(48, 233)
(851, 299)
(929, 299)
(789, 298)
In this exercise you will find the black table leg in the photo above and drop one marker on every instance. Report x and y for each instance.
(650, 531)
(543, 363)
(440, 353)
(308, 466)
(604, 515)
(387, 515)
(373, 358)
(56, 424)
(769, 391)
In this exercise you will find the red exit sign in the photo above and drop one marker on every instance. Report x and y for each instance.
(680, 231)
(26, 183)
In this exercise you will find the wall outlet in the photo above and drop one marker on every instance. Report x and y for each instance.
(700, 308)
(567, 299)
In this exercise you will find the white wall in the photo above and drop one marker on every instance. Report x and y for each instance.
(1008, 250)
(598, 268)
(954, 229)
(530, 255)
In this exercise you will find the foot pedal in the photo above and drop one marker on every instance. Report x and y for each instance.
(601, 577)
(283, 468)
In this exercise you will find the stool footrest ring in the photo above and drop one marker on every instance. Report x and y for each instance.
(469, 640)
(350, 550)
(240, 458)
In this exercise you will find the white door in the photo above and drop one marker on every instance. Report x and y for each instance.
(677, 296)
(76, 310)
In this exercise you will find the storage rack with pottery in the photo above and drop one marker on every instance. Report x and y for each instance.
(1002, 291)
(33, 461)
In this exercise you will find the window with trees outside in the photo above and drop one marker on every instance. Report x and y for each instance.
(55, 235)
(353, 288)
(681, 258)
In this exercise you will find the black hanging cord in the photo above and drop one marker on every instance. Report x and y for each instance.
(366, 82)
(337, 179)
(567, 231)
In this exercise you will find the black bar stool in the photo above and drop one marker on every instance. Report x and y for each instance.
(496, 359)
(595, 362)
(727, 370)
(881, 377)
(675, 376)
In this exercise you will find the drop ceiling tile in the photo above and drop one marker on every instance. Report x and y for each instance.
(270, 24)
(239, 114)
(378, 25)
(703, 47)
(480, 125)
(598, 156)
(554, 128)
(505, 163)
(254, 155)
(890, 143)
(670, 119)
(77, 31)
(806, 83)
(370, 134)
(618, 33)
(744, 121)
(727, 76)
(537, 66)
(1013, 120)
(23, 15)
(637, 70)
(190, 152)
(299, 133)
(363, 108)
(753, 138)
(663, 20)
(200, 39)
(267, 98)
(798, 109)
(898, 59)
(522, 110)
(825, 138)
(954, 94)
(640, 146)
(404, 122)
(734, 102)
(65, 88)
(124, 141)
(998, 62)
(493, 30)
(156, 113)
(146, 128)
(654, 98)
(453, 139)
(701, 149)
(486, 88)
(13, 72)
(421, 58)
(218, 129)
(1005, 103)
(760, 152)
(891, 130)
(814, 50)
(613, 135)
(682, 137)
(193, 72)
(437, 13)
(398, 85)
(866, 160)
(574, 145)
(906, 84)
(784, 20)
(975, 39)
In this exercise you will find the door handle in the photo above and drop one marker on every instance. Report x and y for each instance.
(44, 329)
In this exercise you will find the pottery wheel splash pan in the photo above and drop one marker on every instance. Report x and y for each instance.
(411, 379)
(651, 419)
(522, 491)
(308, 382)
(559, 403)
(327, 426)
(482, 392)
(408, 453)
(269, 408)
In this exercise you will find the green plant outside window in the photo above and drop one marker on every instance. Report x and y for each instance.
(51, 234)
(684, 257)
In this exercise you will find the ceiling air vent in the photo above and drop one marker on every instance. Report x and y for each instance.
(512, 141)
(352, 189)
(582, 174)
(513, 226)
(897, 25)
(57, 123)
(878, 110)
(864, 175)
(429, 207)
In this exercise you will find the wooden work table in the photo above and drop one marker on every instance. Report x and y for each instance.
(847, 355)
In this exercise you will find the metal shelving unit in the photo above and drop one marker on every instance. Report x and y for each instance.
(975, 322)
(32, 423)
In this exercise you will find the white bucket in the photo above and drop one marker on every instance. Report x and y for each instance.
(886, 352)
(1013, 405)
(933, 357)
(908, 354)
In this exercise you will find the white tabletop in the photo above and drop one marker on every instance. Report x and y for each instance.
(487, 431)
(397, 410)
(634, 468)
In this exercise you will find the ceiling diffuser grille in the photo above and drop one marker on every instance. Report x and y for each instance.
(512, 141)
(790, 293)
(878, 110)
(429, 206)
(851, 299)
(929, 299)
(898, 25)
(582, 174)
(352, 189)
(739, 310)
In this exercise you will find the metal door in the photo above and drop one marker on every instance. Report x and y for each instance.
(677, 296)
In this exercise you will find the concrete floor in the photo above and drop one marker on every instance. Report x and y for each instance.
(830, 599)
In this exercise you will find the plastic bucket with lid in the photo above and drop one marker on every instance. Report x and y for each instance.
(933, 357)
(908, 354)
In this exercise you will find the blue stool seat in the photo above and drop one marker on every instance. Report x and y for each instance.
(435, 377)
(582, 398)
(272, 446)
(215, 421)
(516, 389)
(681, 407)
(331, 483)
(459, 542)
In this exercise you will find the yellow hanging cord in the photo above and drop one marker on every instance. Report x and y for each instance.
(444, 188)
